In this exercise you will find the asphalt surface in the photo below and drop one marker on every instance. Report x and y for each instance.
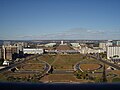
(106, 62)
(47, 66)
(77, 66)
(63, 71)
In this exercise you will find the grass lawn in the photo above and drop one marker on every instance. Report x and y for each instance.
(116, 80)
(66, 61)
(64, 47)
(32, 66)
(89, 66)
(62, 61)
(62, 78)
(47, 58)
(21, 75)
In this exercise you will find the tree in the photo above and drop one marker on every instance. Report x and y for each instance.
(115, 56)
(51, 70)
(104, 79)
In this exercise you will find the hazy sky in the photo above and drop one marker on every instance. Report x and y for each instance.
(59, 19)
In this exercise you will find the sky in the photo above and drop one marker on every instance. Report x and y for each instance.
(59, 19)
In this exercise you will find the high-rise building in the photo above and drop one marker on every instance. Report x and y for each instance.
(118, 43)
(0, 52)
(25, 44)
(20, 46)
(61, 42)
(102, 45)
(105, 45)
(112, 51)
(8, 52)
(109, 43)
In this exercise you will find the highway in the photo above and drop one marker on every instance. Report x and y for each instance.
(47, 66)
(106, 62)
(77, 66)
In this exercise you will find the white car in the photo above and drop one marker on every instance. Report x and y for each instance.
(6, 63)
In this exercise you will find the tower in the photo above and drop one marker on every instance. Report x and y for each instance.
(61, 42)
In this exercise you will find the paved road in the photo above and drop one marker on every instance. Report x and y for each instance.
(47, 66)
(63, 71)
(77, 66)
(106, 62)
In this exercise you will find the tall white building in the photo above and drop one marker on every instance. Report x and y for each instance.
(61, 43)
(105, 45)
(118, 43)
(109, 43)
(0, 52)
(102, 45)
(112, 51)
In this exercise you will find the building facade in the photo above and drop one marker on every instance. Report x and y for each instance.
(112, 51)
(102, 46)
(105, 45)
(8, 52)
(118, 43)
(33, 51)
(1, 52)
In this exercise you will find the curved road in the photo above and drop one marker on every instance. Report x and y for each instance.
(106, 62)
(77, 66)
(47, 66)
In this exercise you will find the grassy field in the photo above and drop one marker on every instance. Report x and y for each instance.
(32, 66)
(64, 47)
(85, 67)
(66, 61)
(47, 58)
(62, 61)
(63, 78)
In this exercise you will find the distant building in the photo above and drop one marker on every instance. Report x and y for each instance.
(61, 42)
(50, 44)
(75, 44)
(33, 51)
(102, 45)
(20, 46)
(8, 52)
(6, 43)
(86, 50)
(105, 45)
(109, 43)
(118, 43)
(1, 52)
(112, 51)
(25, 44)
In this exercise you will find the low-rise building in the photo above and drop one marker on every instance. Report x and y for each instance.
(75, 44)
(50, 44)
(86, 50)
(33, 51)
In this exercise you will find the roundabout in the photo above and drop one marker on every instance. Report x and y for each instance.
(90, 66)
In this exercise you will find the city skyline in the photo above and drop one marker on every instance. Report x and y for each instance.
(59, 19)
